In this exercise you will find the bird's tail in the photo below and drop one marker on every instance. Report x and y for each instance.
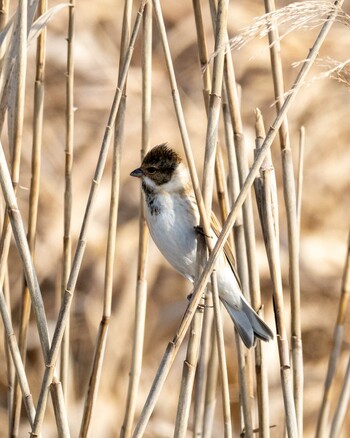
(248, 324)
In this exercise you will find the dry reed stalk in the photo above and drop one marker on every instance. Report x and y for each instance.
(246, 252)
(10, 369)
(16, 109)
(214, 107)
(241, 357)
(248, 228)
(174, 345)
(79, 253)
(9, 78)
(15, 122)
(300, 173)
(334, 356)
(233, 189)
(265, 187)
(4, 11)
(211, 389)
(67, 204)
(33, 203)
(342, 405)
(141, 287)
(60, 416)
(207, 190)
(97, 363)
(101, 341)
(24, 252)
(16, 357)
(260, 363)
(202, 366)
(190, 364)
(239, 241)
(292, 221)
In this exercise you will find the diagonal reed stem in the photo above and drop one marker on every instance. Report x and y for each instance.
(338, 335)
(79, 253)
(174, 345)
(101, 341)
(33, 205)
(342, 405)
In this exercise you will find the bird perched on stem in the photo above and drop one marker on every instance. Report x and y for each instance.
(172, 217)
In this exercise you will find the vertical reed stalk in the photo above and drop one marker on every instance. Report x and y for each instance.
(141, 287)
(207, 190)
(10, 370)
(79, 253)
(248, 227)
(111, 240)
(292, 223)
(338, 335)
(58, 401)
(69, 150)
(260, 364)
(202, 366)
(210, 394)
(300, 173)
(38, 112)
(239, 242)
(214, 108)
(267, 202)
(189, 366)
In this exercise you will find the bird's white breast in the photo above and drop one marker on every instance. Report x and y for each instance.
(172, 230)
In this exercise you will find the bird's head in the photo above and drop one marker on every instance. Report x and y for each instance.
(161, 168)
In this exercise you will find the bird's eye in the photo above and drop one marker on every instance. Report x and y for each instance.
(151, 170)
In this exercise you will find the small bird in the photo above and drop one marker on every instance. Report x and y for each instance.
(172, 217)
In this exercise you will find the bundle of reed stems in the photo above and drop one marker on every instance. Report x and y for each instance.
(224, 389)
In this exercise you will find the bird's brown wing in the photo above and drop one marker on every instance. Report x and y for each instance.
(216, 227)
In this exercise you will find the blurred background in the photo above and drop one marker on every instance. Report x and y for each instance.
(322, 106)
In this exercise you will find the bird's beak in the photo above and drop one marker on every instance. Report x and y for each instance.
(137, 172)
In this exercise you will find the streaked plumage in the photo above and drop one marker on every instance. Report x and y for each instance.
(172, 216)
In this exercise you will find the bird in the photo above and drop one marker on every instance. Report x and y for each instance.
(173, 220)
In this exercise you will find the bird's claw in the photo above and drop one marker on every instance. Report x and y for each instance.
(199, 230)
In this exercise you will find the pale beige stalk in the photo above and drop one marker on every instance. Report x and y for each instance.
(69, 150)
(141, 286)
(206, 338)
(207, 190)
(292, 222)
(99, 353)
(300, 173)
(260, 364)
(232, 95)
(266, 192)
